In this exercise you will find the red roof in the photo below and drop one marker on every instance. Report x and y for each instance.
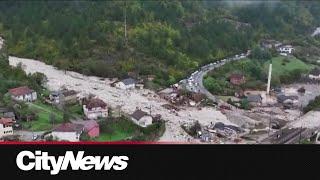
(6, 121)
(95, 103)
(69, 127)
(20, 91)
(90, 124)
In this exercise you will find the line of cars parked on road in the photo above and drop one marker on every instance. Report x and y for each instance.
(192, 83)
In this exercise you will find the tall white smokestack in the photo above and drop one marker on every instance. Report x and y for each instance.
(269, 79)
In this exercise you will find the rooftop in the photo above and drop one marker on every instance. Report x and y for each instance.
(95, 103)
(20, 91)
(6, 121)
(138, 114)
(69, 127)
(88, 124)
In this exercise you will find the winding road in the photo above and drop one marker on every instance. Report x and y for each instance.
(195, 82)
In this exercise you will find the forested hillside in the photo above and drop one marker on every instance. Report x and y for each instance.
(166, 38)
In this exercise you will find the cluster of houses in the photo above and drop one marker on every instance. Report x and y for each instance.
(93, 108)
(7, 116)
(283, 49)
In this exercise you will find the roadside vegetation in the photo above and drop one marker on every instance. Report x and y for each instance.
(285, 70)
(217, 81)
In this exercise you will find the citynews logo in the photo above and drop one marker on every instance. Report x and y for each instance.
(42, 161)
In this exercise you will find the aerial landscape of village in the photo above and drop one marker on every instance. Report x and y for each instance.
(199, 72)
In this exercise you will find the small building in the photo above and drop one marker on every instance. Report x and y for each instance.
(237, 79)
(7, 113)
(6, 127)
(55, 97)
(141, 118)
(128, 83)
(68, 132)
(65, 96)
(286, 49)
(23, 93)
(95, 108)
(91, 127)
(254, 99)
(270, 43)
(315, 74)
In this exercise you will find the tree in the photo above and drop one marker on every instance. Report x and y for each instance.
(213, 85)
(260, 54)
(39, 78)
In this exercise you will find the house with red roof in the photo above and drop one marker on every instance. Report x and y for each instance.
(68, 132)
(91, 127)
(95, 108)
(237, 79)
(23, 93)
(6, 127)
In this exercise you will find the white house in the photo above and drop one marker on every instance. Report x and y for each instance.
(95, 108)
(315, 74)
(68, 132)
(141, 118)
(287, 49)
(128, 83)
(6, 127)
(23, 93)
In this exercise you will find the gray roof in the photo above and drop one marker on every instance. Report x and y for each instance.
(254, 98)
(128, 81)
(138, 114)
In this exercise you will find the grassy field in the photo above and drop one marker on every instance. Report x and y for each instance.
(123, 129)
(43, 111)
(115, 130)
(76, 110)
(281, 66)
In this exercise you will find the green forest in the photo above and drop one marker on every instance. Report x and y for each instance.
(168, 39)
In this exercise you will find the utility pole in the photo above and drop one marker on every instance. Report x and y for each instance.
(269, 79)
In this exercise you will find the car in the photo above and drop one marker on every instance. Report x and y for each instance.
(35, 137)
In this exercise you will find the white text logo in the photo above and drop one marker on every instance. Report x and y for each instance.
(42, 161)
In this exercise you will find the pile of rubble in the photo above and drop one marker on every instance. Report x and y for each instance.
(215, 132)
(179, 97)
